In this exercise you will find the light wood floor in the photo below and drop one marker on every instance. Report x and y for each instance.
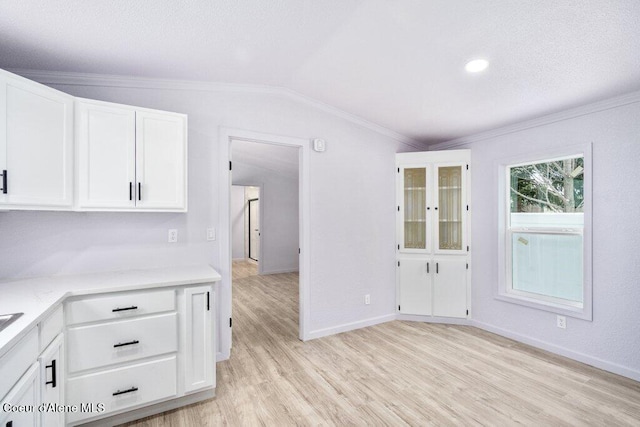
(397, 373)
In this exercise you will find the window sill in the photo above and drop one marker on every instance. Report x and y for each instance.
(577, 311)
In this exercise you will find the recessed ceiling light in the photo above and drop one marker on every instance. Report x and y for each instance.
(476, 65)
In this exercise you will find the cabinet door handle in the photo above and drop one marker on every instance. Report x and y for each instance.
(4, 182)
(427, 268)
(122, 344)
(131, 191)
(139, 191)
(53, 381)
(208, 302)
(133, 307)
(131, 390)
(436, 268)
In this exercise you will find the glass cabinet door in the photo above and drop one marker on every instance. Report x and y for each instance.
(415, 208)
(450, 208)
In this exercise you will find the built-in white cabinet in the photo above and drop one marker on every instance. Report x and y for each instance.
(36, 145)
(199, 350)
(432, 233)
(130, 158)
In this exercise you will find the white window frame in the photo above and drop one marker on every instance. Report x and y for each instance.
(505, 292)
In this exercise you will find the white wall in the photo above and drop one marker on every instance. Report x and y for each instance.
(612, 340)
(279, 216)
(351, 193)
(237, 222)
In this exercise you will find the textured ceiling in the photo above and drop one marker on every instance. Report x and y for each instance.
(399, 64)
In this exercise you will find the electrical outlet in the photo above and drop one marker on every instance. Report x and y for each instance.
(367, 299)
(561, 322)
(211, 234)
(173, 236)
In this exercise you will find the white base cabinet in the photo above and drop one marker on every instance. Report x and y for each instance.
(433, 245)
(22, 401)
(129, 350)
(34, 369)
(199, 349)
(52, 376)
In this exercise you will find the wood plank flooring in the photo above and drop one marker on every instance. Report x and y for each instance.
(397, 373)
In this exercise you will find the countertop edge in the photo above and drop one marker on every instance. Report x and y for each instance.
(47, 299)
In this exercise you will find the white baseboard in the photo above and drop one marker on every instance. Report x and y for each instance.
(345, 327)
(293, 270)
(580, 357)
(433, 319)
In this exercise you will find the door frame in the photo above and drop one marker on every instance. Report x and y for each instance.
(259, 240)
(224, 160)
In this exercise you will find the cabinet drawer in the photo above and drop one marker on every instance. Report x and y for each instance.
(121, 341)
(122, 388)
(50, 328)
(120, 306)
(17, 360)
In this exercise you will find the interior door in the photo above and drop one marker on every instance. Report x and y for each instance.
(254, 229)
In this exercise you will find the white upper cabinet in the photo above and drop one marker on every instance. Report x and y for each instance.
(130, 158)
(106, 155)
(36, 145)
(161, 157)
(432, 206)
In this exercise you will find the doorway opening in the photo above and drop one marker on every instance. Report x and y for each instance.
(226, 167)
(265, 192)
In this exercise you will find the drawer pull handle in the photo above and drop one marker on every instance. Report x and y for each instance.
(122, 344)
(53, 381)
(133, 307)
(131, 390)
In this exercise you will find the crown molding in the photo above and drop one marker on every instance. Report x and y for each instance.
(107, 80)
(594, 107)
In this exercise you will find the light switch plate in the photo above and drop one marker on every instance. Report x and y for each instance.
(211, 234)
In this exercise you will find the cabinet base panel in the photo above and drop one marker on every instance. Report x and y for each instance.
(154, 409)
(433, 319)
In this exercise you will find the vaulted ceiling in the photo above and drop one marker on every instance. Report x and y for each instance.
(399, 64)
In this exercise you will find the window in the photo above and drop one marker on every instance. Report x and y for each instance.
(545, 233)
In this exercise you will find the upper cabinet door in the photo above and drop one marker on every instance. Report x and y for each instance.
(161, 159)
(414, 219)
(36, 145)
(106, 147)
(450, 209)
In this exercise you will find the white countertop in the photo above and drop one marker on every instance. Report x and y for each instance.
(38, 297)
